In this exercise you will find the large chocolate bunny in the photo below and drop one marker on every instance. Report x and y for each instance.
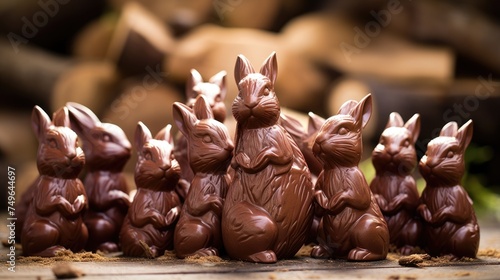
(54, 218)
(107, 149)
(450, 224)
(198, 231)
(148, 229)
(394, 188)
(268, 210)
(215, 92)
(353, 226)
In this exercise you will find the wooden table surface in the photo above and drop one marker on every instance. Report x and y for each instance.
(301, 267)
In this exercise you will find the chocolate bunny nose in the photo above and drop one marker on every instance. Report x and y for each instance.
(166, 166)
(392, 150)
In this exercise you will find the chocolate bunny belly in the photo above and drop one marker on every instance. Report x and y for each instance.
(283, 191)
(449, 235)
(107, 210)
(71, 231)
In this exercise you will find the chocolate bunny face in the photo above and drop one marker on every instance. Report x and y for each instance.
(443, 163)
(256, 104)
(105, 145)
(58, 152)
(156, 168)
(214, 92)
(395, 151)
(338, 142)
(208, 138)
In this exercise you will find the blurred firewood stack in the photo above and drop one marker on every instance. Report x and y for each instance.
(128, 61)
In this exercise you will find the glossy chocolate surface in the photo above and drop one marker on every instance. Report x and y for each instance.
(54, 219)
(107, 149)
(215, 93)
(148, 228)
(198, 231)
(394, 187)
(353, 226)
(268, 210)
(450, 224)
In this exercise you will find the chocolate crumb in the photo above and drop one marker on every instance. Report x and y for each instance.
(413, 260)
(66, 271)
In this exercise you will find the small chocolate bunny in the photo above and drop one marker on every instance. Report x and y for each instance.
(198, 231)
(353, 226)
(268, 210)
(148, 228)
(215, 92)
(54, 220)
(450, 224)
(394, 188)
(107, 149)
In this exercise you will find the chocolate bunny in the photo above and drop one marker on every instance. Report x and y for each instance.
(394, 188)
(148, 228)
(305, 141)
(107, 149)
(215, 92)
(54, 220)
(353, 226)
(198, 230)
(268, 210)
(450, 224)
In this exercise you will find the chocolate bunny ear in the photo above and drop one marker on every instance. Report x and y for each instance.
(347, 107)
(220, 80)
(183, 117)
(270, 67)
(449, 129)
(142, 135)
(82, 118)
(464, 135)
(61, 117)
(193, 79)
(413, 125)
(40, 121)
(242, 68)
(202, 109)
(362, 111)
(165, 134)
(315, 123)
(395, 120)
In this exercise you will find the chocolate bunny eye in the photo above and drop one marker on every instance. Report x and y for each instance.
(266, 91)
(343, 131)
(450, 154)
(406, 143)
(148, 155)
(207, 139)
(106, 137)
(53, 143)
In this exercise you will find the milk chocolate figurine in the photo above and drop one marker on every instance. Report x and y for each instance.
(394, 188)
(268, 210)
(353, 226)
(305, 141)
(198, 231)
(107, 149)
(148, 228)
(450, 224)
(215, 92)
(54, 220)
